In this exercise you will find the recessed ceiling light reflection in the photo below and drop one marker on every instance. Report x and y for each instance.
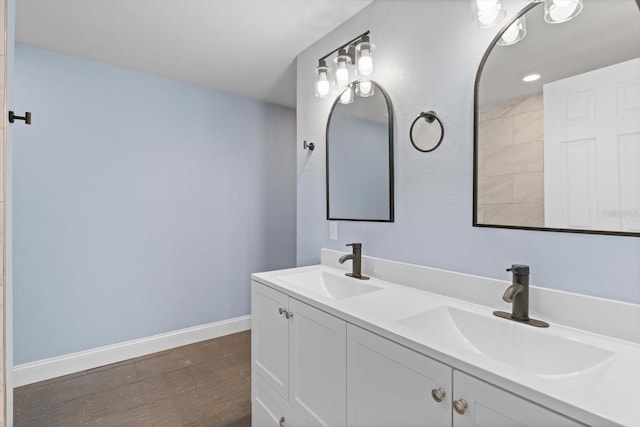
(531, 78)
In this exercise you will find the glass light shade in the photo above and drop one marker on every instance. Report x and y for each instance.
(364, 89)
(342, 73)
(364, 59)
(558, 11)
(323, 82)
(487, 13)
(347, 96)
(514, 33)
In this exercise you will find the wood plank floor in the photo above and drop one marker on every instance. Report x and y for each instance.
(207, 384)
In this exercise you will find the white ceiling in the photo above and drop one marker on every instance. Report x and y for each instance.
(246, 47)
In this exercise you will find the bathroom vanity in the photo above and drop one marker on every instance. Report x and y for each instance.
(419, 346)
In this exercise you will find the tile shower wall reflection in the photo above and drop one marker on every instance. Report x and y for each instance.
(510, 162)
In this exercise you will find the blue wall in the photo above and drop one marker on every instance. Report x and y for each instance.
(431, 65)
(141, 204)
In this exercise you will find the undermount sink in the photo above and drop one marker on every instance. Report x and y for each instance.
(330, 285)
(522, 346)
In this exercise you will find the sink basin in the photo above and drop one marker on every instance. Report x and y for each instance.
(538, 351)
(330, 285)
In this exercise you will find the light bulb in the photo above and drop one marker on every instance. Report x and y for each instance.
(488, 17)
(514, 33)
(487, 4)
(365, 63)
(322, 85)
(511, 34)
(364, 58)
(342, 75)
(342, 65)
(557, 11)
(347, 96)
(364, 89)
(531, 78)
(488, 13)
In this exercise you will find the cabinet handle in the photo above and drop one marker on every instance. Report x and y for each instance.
(282, 310)
(438, 394)
(460, 406)
(288, 314)
(281, 423)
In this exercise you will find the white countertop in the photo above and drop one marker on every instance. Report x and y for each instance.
(606, 395)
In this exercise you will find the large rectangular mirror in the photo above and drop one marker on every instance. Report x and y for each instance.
(360, 155)
(557, 123)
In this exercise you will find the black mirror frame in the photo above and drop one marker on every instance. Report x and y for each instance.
(391, 171)
(475, 147)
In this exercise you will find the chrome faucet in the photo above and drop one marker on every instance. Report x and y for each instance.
(518, 295)
(356, 257)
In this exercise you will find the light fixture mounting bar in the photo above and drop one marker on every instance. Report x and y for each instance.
(366, 33)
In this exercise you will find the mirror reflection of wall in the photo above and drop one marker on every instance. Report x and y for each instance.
(562, 151)
(360, 159)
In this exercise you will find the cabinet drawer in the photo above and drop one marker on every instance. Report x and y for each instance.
(268, 408)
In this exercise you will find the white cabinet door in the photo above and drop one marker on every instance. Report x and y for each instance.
(317, 357)
(270, 410)
(270, 337)
(390, 385)
(490, 406)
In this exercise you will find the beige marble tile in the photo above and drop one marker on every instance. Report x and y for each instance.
(516, 214)
(495, 189)
(480, 159)
(495, 133)
(528, 103)
(520, 158)
(528, 188)
(510, 107)
(528, 127)
(496, 109)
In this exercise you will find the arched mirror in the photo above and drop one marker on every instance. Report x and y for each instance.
(557, 123)
(360, 155)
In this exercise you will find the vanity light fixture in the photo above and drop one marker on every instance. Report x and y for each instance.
(555, 12)
(487, 13)
(514, 33)
(356, 51)
(531, 78)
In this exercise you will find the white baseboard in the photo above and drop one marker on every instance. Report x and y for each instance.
(41, 370)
